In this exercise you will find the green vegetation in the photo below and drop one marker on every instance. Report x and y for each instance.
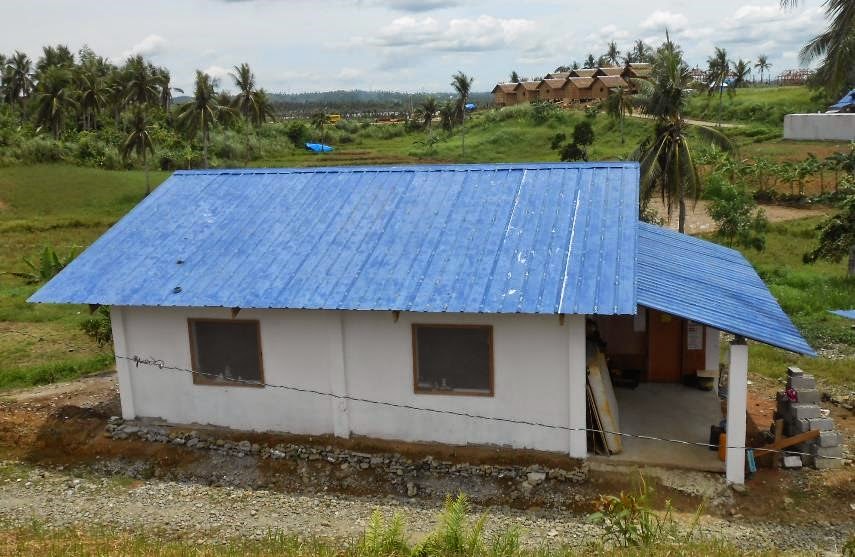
(757, 107)
(806, 292)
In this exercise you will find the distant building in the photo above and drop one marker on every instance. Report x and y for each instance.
(527, 91)
(504, 94)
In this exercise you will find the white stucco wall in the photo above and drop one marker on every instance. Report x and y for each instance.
(822, 127)
(366, 355)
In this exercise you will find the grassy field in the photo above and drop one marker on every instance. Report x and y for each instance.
(755, 106)
(67, 207)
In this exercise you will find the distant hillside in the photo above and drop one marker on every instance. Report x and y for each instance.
(356, 101)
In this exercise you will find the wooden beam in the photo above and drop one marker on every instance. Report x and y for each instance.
(396, 315)
(561, 319)
(788, 442)
(93, 308)
(235, 312)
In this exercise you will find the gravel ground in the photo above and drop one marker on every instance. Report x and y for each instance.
(191, 511)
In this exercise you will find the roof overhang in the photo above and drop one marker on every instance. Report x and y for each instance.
(713, 285)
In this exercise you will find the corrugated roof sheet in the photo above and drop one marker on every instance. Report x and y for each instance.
(710, 284)
(847, 313)
(520, 238)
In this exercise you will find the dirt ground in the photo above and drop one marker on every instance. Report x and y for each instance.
(64, 425)
(698, 221)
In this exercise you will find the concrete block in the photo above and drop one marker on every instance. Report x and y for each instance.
(809, 396)
(801, 382)
(798, 426)
(792, 461)
(821, 463)
(784, 409)
(822, 424)
(793, 370)
(804, 411)
(828, 439)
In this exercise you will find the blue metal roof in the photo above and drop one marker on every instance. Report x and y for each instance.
(847, 313)
(710, 284)
(497, 238)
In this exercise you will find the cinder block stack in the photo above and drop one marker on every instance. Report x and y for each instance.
(804, 414)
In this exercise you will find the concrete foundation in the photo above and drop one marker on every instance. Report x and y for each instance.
(669, 411)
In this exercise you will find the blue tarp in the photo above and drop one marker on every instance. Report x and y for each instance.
(469, 106)
(847, 313)
(848, 101)
(318, 147)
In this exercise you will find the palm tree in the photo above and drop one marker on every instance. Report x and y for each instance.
(318, 120)
(58, 56)
(666, 158)
(717, 73)
(613, 54)
(618, 105)
(640, 52)
(741, 71)
(590, 62)
(247, 101)
(428, 109)
(515, 77)
(93, 93)
(763, 65)
(462, 85)
(164, 79)
(139, 141)
(446, 115)
(54, 99)
(201, 112)
(835, 46)
(142, 84)
(18, 77)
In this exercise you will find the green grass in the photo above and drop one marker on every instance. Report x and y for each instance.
(66, 207)
(757, 106)
(806, 292)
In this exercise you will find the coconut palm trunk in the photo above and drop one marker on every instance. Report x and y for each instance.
(851, 272)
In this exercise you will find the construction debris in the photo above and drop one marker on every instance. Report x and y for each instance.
(807, 424)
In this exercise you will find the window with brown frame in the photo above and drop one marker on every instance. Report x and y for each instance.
(226, 352)
(453, 359)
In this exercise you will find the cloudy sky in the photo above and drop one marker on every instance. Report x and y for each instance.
(408, 45)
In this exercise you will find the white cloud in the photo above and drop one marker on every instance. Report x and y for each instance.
(149, 47)
(459, 35)
(663, 19)
(217, 72)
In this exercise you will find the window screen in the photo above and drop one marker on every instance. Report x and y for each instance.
(449, 359)
(225, 351)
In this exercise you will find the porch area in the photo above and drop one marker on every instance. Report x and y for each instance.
(672, 411)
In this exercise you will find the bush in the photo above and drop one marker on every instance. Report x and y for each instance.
(99, 327)
(735, 212)
(40, 149)
(297, 132)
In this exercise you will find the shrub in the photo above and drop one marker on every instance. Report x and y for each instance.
(456, 534)
(40, 150)
(383, 538)
(99, 327)
(629, 520)
(735, 213)
(297, 132)
(48, 266)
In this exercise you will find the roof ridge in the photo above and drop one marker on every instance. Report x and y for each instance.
(486, 167)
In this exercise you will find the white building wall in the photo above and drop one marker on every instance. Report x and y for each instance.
(366, 355)
(820, 127)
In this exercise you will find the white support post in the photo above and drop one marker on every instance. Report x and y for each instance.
(338, 378)
(123, 365)
(737, 407)
(576, 375)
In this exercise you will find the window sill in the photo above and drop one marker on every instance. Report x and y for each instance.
(226, 383)
(452, 392)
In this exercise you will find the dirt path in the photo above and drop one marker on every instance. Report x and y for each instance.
(698, 221)
(691, 121)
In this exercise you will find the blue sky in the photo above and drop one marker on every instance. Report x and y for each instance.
(407, 45)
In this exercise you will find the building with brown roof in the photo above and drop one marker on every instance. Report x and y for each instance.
(504, 94)
(557, 75)
(584, 72)
(614, 70)
(527, 91)
(581, 88)
(637, 70)
(554, 89)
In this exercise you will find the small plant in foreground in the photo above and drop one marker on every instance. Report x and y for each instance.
(99, 327)
(629, 520)
(383, 538)
(456, 534)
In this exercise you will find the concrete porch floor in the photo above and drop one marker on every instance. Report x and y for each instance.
(671, 411)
